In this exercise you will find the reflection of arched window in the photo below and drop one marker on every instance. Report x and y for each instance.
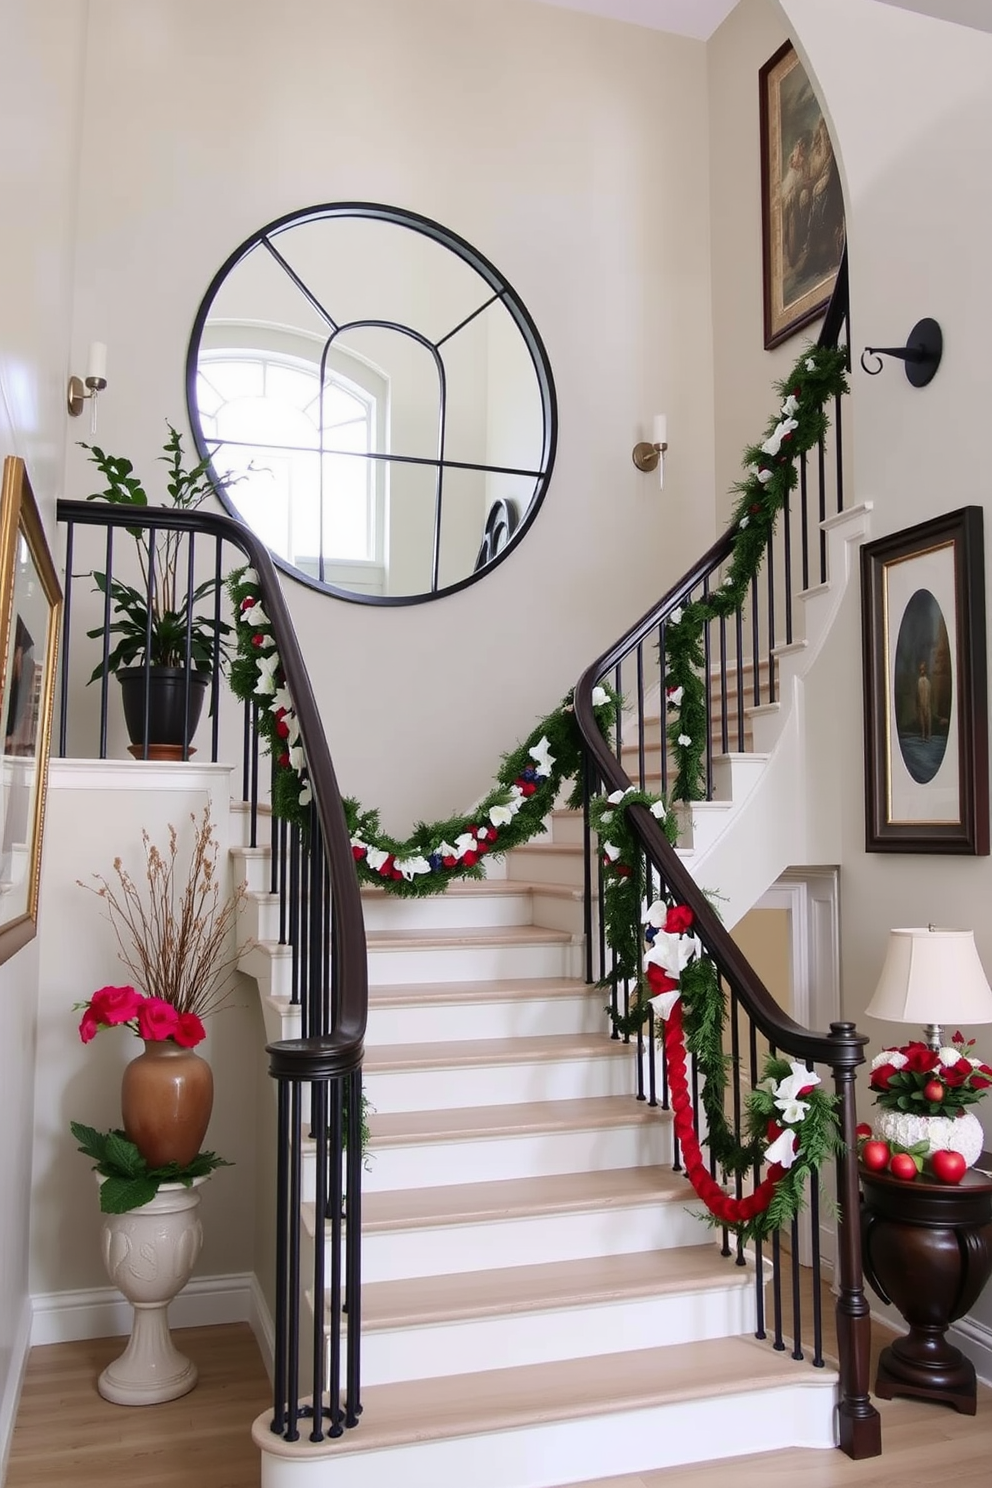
(261, 413)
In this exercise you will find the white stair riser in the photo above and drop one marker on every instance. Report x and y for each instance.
(567, 827)
(447, 911)
(578, 1332)
(559, 911)
(450, 1088)
(542, 1454)
(429, 1023)
(441, 1250)
(254, 865)
(388, 967)
(531, 1155)
(540, 864)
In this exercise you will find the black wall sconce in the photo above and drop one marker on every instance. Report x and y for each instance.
(921, 354)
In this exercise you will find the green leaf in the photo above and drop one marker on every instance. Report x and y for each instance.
(124, 1155)
(118, 1195)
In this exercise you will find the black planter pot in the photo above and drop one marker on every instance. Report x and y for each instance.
(172, 720)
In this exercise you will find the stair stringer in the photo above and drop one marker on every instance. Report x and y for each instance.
(772, 829)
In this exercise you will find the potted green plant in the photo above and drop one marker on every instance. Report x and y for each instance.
(155, 622)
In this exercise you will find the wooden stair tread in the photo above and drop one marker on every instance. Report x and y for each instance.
(557, 1284)
(501, 1399)
(455, 888)
(509, 989)
(487, 1051)
(581, 1114)
(509, 1198)
(469, 935)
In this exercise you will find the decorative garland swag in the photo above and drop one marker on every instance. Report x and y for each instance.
(792, 1125)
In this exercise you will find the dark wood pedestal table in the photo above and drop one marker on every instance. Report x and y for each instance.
(927, 1248)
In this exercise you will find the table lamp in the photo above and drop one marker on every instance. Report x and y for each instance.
(931, 974)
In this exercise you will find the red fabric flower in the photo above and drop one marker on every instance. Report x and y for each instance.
(980, 1082)
(862, 1131)
(157, 1019)
(248, 602)
(282, 729)
(919, 1059)
(189, 1030)
(358, 853)
(679, 919)
(258, 640)
(879, 1078)
(112, 1005)
(954, 1075)
(89, 1026)
(470, 859)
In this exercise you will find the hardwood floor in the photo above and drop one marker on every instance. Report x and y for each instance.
(66, 1436)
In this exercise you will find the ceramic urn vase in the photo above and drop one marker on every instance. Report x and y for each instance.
(149, 1253)
(166, 1098)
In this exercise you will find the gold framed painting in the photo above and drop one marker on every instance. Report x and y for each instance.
(30, 611)
(802, 205)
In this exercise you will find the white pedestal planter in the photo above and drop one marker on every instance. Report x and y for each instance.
(962, 1133)
(149, 1254)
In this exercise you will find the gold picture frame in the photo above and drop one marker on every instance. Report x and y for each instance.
(802, 204)
(30, 613)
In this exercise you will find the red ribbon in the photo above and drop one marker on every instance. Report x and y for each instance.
(731, 1211)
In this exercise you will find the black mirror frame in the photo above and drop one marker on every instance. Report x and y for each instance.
(495, 280)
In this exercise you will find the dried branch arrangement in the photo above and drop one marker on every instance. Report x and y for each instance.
(173, 931)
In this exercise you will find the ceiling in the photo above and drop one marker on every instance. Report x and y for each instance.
(700, 18)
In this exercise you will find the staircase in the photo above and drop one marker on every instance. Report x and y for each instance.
(542, 1304)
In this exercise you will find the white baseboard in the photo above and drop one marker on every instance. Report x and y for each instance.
(974, 1339)
(11, 1394)
(260, 1321)
(101, 1312)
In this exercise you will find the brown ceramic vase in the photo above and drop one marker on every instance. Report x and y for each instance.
(167, 1094)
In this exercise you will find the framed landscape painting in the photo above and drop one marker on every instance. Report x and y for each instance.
(30, 608)
(926, 725)
(802, 207)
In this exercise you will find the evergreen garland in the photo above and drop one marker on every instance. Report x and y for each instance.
(819, 375)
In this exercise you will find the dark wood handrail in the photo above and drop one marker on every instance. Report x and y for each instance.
(341, 1050)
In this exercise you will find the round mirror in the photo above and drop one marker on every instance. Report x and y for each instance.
(381, 395)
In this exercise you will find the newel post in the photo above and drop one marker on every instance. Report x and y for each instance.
(860, 1426)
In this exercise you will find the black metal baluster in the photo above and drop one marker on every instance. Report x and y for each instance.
(787, 566)
(107, 612)
(318, 1126)
(797, 1332)
(755, 643)
(66, 631)
(814, 1224)
(779, 1343)
(708, 695)
(759, 1265)
(353, 1253)
(724, 720)
(187, 638)
(739, 625)
(770, 560)
(804, 515)
(216, 653)
(821, 457)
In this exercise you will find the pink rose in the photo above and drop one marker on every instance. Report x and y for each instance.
(189, 1030)
(113, 1005)
(157, 1019)
(89, 1026)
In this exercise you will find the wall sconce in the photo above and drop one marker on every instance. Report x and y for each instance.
(921, 354)
(95, 381)
(652, 456)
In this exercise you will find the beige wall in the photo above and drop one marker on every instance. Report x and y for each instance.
(571, 151)
(40, 96)
(914, 156)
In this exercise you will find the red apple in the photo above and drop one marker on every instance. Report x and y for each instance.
(933, 1090)
(947, 1166)
(875, 1155)
(901, 1165)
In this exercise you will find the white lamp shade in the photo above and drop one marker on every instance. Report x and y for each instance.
(932, 976)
